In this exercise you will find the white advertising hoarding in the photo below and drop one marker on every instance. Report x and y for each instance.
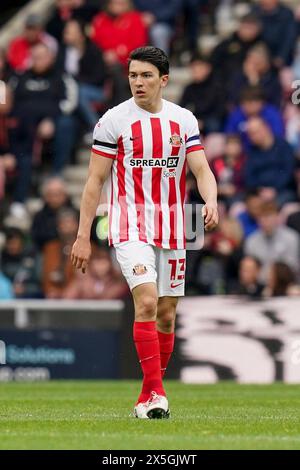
(235, 339)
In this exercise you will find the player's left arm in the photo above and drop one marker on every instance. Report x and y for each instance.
(207, 187)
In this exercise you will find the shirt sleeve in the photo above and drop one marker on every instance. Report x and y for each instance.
(193, 140)
(105, 140)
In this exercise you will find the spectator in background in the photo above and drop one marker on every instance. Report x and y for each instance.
(55, 197)
(279, 30)
(101, 281)
(257, 71)
(249, 217)
(273, 242)
(117, 31)
(57, 267)
(296, 58)
(6, 289)
(191, 11)
(21, 265)
(292, 116)
(270, 162)
(226, 246)
(252, 103)
(205, 96)
(83, 60)
(213, 270)
(229, 55)
(7, 159)
(70, 9)
(160, 17)
(248, 283)
(19, 51)
(281, 281)
(44, 101)
(229, 170)
(5, 69)
(293, 221)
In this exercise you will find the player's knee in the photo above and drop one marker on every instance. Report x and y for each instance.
(166, 321)
(146, 307)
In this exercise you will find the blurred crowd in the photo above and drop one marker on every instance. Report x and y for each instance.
(58, 77)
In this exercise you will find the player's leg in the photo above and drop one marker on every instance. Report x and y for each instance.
(138, 264)
(146, 339)
(171, 274)
(165, 323)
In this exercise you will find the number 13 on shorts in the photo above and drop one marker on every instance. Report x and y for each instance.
(177, 270)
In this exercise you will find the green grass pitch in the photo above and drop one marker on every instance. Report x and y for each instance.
(97, 415)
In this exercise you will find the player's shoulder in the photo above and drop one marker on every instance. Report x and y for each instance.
(117, 114)
(179, 110)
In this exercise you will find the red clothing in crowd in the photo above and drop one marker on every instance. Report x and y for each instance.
(19, 55)
(121, 34)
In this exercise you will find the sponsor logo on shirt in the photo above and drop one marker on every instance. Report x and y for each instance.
(170, 162)
(169, 174)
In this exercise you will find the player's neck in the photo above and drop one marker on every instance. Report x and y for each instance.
(153, 107)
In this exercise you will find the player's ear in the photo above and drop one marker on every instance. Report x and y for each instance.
(164, 80)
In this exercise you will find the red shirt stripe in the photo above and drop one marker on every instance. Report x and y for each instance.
(138, 150)
(175, 130)
(122, 192)
(182, 195)
(157, 145)
(111, 210)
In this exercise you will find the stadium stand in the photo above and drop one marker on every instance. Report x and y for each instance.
(227, 65)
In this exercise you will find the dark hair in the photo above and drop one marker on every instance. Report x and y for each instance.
(82, 25)
(66, 212)
(284, 277)
(233, 137)
(252, 193)
(198, 57)
(250, 18)
(252, 93)
(14, 232)
(154, 56)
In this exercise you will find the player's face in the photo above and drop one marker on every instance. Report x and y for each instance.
(145, 83)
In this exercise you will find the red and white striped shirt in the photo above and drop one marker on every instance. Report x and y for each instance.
(146, 187)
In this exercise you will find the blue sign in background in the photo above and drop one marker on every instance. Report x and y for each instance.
(66, 354)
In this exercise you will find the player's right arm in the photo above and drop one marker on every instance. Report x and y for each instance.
(99, 170)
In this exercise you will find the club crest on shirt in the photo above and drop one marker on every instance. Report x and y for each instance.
(139, 269)
(176, 140)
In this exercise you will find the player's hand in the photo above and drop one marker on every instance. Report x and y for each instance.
(81, 253)
(211, 216)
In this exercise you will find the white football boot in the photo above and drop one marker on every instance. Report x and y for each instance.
(157, 407)
(140, 410)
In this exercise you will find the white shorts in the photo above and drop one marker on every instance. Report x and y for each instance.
(141, 262)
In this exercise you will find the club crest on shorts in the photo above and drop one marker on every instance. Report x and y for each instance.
(139, 269)
(176, 140)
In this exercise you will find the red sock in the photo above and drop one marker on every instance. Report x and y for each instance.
(147, 346)
(166, 345)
